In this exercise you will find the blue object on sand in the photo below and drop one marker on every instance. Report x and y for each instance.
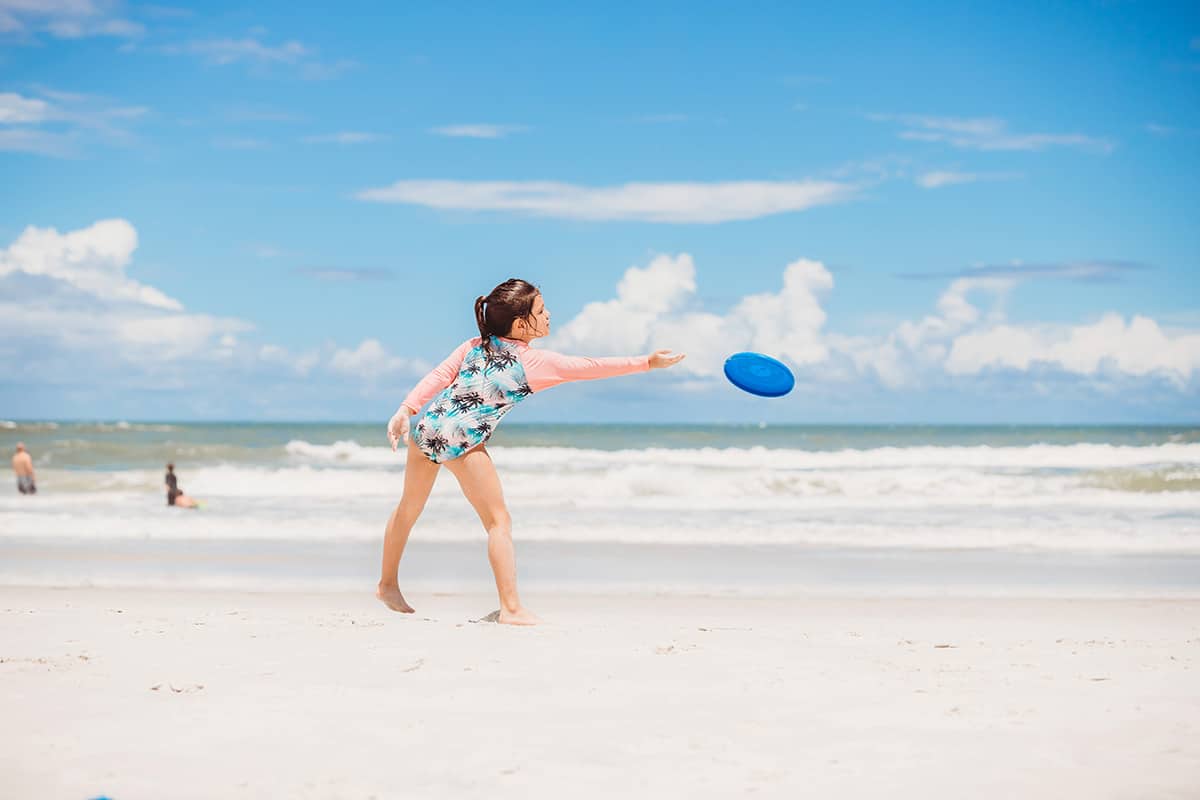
(759, 374)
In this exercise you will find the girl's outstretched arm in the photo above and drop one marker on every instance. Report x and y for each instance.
(544, 368)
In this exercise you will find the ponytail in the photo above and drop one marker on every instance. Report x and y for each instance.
(481, 321)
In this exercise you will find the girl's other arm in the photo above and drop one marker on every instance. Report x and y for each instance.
(438, 378)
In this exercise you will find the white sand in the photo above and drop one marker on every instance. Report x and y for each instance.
(150, 694)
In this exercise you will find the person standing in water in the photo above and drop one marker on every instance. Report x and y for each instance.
(472, 390)
(175, 495)
(22, 464)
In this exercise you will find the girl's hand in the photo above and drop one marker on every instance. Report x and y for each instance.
(397, 429)
(661, 359)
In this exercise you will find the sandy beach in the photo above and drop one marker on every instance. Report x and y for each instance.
(147, 693)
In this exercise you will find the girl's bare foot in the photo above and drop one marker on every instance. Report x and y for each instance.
(391, 597)
(521, 616)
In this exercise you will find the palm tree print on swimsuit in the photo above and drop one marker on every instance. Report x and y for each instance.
(465, 414)
(466, 401)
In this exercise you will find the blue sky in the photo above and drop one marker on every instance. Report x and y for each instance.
(936, 212)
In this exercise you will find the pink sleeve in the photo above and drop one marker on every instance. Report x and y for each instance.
(439, 377)
(544, 369)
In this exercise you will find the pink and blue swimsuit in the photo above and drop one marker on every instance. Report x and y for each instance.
(473, 389)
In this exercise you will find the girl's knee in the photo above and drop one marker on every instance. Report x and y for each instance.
(499, 524)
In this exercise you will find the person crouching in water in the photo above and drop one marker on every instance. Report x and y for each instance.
(175, 495)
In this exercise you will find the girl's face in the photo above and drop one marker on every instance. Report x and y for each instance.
(536, 325)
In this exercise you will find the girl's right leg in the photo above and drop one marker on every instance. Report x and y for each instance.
(419, 475)
(477, 476)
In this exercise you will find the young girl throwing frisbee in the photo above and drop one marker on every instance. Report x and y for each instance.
(471, 391)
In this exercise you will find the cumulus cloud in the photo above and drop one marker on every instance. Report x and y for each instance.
(655, 307)
(68, 307)
(966, 335)
(300, 363)
(1138, 347)
(92, 260)
(625, 323)
(985, 133)
(371, 359)
(914, 349)
(69, 292)
(643, 202)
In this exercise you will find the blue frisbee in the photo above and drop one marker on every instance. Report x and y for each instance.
(759, 374)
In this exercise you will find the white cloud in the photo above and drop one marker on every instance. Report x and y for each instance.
(370, 360)
(787, 322)
(914, 349)
(938, 179)
(67, 304)
(72, 115)
(17, 109)
(301, 363)
(653, 309)
(645, 202)
(656, 306)
(1138, 347)
(624, 324)
(231, 51)
(478, 130)
(253, 51)
(38, 142)
(984, 133)
(65, 19)
(171, 337)
(92, 260)
(344, 137)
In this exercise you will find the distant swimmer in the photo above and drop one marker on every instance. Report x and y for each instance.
(23, 467)
(175, 495)
(471, 391)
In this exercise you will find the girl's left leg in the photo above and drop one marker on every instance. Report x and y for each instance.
(419, 475)
(477, 476)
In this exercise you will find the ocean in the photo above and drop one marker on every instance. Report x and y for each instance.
(742, 508)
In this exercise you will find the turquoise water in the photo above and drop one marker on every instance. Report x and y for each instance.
(121, 445)
(286, 502)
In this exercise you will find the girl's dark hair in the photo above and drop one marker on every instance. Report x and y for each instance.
(495, 314)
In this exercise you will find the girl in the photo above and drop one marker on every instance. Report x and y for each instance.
(471, 391)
